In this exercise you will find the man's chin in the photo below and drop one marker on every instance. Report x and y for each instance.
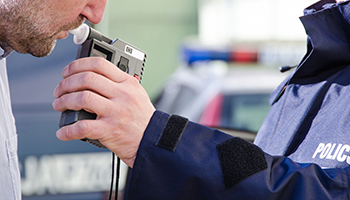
(61, 35)
(43, 51)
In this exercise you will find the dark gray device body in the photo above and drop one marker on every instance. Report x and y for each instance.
(125, 56)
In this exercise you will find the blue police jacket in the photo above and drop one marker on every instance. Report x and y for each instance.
(302, 150)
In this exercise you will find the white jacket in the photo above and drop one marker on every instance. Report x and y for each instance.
(10, 179)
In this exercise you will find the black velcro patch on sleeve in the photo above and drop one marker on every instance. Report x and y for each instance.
(172, 132)
(240, 159)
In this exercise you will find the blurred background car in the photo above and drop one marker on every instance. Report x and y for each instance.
(218, 92)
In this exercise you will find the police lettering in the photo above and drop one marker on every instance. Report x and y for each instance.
(333, 151)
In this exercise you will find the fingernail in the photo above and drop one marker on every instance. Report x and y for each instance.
(54, 103)
(59, 134)
(65, 72)
(55, 92)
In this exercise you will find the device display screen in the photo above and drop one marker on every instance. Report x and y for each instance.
(98, 51)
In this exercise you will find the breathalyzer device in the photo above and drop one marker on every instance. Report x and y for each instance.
(93, 44)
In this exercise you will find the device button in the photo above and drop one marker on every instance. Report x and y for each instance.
(123, 64)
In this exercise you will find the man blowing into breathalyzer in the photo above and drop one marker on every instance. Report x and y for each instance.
(32, 26)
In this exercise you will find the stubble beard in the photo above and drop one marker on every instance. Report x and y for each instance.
(27, 27)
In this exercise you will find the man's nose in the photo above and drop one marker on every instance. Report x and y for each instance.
(94, 10)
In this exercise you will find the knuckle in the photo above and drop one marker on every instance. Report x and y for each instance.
(88, 78)
(78, 130)
(67, 132)
(63, 85)
(134, 82)
(135, 85)
(84, 98)
(98, 62)
(82, 128)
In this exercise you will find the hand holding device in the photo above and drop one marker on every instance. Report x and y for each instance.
(93, 44)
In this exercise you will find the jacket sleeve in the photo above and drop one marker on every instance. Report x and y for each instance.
(178, 159)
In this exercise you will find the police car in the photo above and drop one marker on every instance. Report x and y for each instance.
(216, 93)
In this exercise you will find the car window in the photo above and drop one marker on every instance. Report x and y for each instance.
(245, 111)
(183, 98)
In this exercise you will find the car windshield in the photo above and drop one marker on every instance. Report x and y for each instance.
(244, 111)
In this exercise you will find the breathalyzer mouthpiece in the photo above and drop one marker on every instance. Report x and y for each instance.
(84, 32)
(80, 34)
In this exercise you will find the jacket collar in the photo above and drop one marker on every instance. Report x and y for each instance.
(5, 50)
(328, 46)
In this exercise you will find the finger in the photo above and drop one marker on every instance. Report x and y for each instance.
(86, 81)
(86, 100)
(97, 65)
(79, 130)
(123, 146)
